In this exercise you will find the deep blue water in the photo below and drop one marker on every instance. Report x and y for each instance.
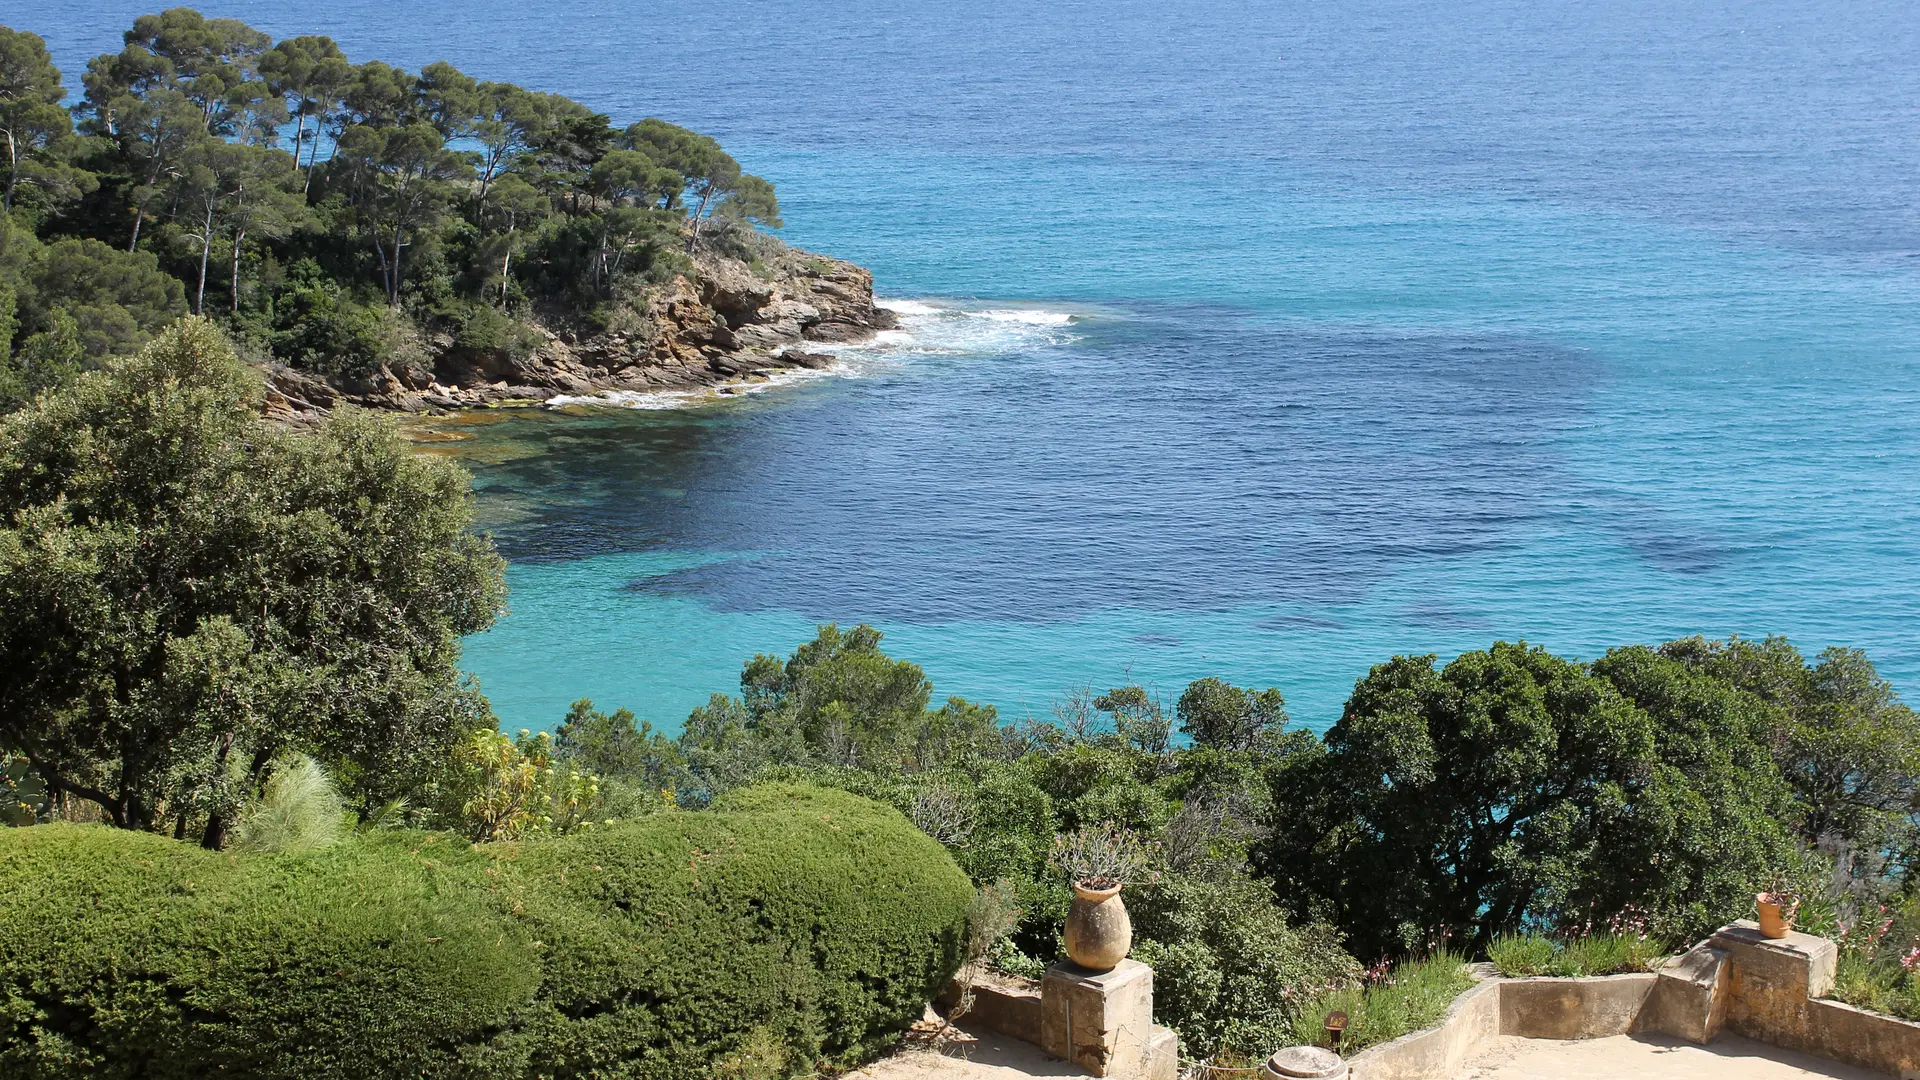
(1264, 340)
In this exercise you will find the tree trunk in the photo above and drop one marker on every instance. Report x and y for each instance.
(215, 836)
(313, 156)
(233, 287)
(699, 214)
(506, 262)
(13, 172)
(393, 290)
(299, 136)
(386, 272)
(206, 249)
(139, 211)
(62, 789)
(486, 181)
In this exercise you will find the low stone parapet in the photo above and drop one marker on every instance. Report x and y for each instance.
(1470, 1023)
(1011, 1010)
(1768, 990)
(1590, 1008)
(1737, 980)
(1776, 994)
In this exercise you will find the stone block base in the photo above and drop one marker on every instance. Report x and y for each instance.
(1103, 1021)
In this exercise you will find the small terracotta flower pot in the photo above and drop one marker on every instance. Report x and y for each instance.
(1099, 933)
(1775, 921)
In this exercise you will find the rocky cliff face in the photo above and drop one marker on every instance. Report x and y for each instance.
(724, 322)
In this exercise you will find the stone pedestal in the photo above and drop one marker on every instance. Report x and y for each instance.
(1103, 1022)
(1772, 983)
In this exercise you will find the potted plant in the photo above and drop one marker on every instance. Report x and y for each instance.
(1776, 908)
(1099, 862)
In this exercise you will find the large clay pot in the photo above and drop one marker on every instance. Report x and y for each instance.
(1775, 922)
(1099, 934)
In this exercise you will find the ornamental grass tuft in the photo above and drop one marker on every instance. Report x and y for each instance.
(1523, 955)
(1413, 995)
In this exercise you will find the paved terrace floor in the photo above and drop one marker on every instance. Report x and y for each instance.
(986, 1056)
(1651, 1057)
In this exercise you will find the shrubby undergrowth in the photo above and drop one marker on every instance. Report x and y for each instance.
(1509, 792)
(125, 954)
(193, 603)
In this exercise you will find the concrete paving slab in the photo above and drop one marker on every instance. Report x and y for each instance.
(935, 1052)
(1651, 1057)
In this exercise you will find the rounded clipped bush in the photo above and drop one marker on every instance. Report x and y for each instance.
(130, 955)
(786, 928)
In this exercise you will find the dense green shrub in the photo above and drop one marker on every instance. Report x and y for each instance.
(318, 326)
(785, 928)
(1229, 973)
(125, 954)
(485, 329)
(1517, 788)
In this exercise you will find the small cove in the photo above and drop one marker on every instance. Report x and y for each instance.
(1378, 328)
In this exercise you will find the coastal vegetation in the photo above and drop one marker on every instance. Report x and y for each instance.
(188, 593)
(1606, 953)
(266, 827)
(233, 647)
(337, 217)
(1561, 815)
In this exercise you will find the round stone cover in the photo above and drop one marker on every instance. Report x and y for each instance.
(1305, 1063)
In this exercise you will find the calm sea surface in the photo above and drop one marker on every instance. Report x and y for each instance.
(1263, 340)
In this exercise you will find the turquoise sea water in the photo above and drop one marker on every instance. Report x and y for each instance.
(1253, 339)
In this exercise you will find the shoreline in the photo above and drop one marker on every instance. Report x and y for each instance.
(716, 331)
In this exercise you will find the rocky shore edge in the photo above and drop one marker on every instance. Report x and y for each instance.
(724, 322)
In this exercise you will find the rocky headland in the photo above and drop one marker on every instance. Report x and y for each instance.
(721, 322)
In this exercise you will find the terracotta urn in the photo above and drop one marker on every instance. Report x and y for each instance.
(1099, 934)
(1775, 921)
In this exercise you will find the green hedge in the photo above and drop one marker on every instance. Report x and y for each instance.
(784, 929)
(131, 955)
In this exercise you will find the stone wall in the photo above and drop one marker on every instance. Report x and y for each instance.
(1767, 990)
(1776, 994)
(1471, 1021)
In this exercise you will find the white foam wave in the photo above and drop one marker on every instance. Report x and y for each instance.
(929, 328)
(631, 399)
(1031, 316)
(907, 307)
